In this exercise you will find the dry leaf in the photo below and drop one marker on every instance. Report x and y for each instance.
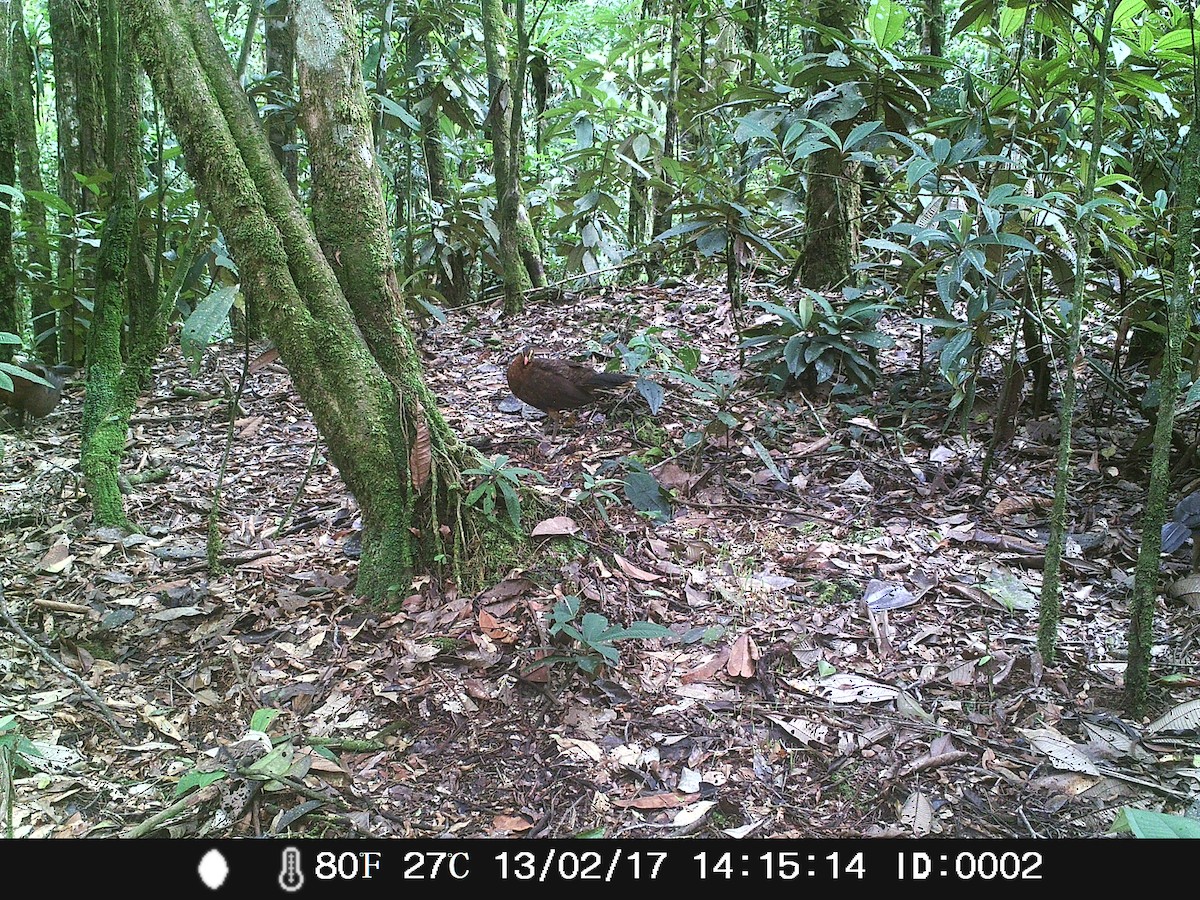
(511, 824)
(556, 526)
(742, 655)
(57, 558)
(656, 801)
(505, 632)
(420, 456)
(633, 571)
(917, 814)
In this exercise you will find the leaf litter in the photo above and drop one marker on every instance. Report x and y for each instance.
(853, 648)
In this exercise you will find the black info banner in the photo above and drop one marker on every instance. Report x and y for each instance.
(378, 868)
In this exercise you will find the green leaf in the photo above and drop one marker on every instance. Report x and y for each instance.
(392, 108)
(885, 22)
(767, 461)
(208, 323)
(52, 201)
(473, 497)
(971, 12)
(262, 719)
(689, 358)
(642, 631)
(1180, 39)
(197, 780)
(1145, 824)
(512, 502)
(653, 393)
(793, 353)
(646, 495)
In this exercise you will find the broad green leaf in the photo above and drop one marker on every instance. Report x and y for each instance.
(885, 22)
(1146, 824)
(208, 323)
(1180, 39)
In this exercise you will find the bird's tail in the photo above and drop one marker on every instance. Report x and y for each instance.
(609, 379)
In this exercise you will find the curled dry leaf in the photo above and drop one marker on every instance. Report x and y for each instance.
(420, 457)
(559, 525)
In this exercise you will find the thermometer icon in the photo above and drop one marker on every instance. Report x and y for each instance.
(291, 879)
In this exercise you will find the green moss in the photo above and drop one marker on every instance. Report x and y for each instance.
(834, 593)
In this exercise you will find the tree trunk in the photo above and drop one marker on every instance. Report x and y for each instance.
(1146, 574)
(933, 27)
(119, 361)
(1048, 613)
(665, 195)
(38, 268)
(280, 34)
(635, 226)
(385, 434)
(452, 278)
(833, 203)
(75, 33)
(11, 319)
(520, 257)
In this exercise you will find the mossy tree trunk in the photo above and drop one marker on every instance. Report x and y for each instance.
(79, 104)
(119, 360)
(833, 204)
(520, 256)
(38, 268)
(390, 444)
(1049, 601)
(1146, 575)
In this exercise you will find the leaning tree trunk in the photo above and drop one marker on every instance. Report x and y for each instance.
(385, 435)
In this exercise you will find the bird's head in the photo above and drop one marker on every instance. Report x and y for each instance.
(526, 354)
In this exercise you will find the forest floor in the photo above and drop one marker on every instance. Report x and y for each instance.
(854, 649)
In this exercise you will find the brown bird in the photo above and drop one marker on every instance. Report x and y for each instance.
(30, 398)
(553, 385)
